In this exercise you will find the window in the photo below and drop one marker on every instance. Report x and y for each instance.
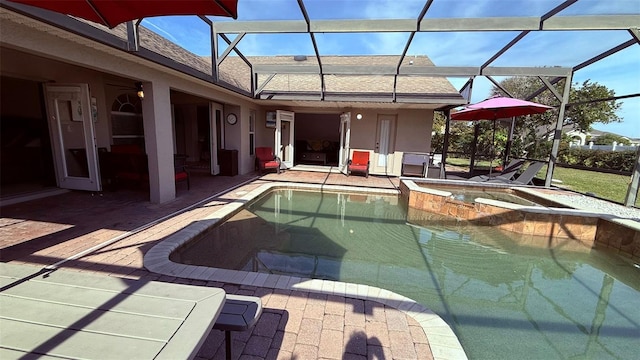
(126, 120)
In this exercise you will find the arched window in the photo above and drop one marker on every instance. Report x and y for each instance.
(126, 120)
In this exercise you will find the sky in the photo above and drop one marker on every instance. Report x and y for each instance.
(619, 72)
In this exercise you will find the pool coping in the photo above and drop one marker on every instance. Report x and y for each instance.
(443, 341)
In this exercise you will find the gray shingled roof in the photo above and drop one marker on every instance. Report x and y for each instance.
(231, 68)
(234, 71)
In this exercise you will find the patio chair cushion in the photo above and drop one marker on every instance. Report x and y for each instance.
(359, 163)
(265, 159)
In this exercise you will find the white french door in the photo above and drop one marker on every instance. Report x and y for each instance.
(216, 135)
(73, 136)
(382, 162)
(345, 136)
(284, 137)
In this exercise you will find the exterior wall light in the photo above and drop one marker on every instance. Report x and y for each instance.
(139, 90)
(359, 116)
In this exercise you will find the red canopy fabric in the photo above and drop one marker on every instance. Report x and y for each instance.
(499, 108)
(113, 12)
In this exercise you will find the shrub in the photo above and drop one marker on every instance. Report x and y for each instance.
(609, 160)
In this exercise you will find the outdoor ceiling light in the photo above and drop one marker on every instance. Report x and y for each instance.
(359, 116)
(139, 90)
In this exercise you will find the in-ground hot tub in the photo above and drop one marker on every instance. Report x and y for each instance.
(471, 193)
(500, 206)
(545, 219)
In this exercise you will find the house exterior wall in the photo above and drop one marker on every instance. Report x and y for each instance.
(21, 65)
(48, 54)
(412, 133)
(61, 60)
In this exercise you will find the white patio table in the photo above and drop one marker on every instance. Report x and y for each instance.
(68, 314)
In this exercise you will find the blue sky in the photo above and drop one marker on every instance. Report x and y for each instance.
(620, 72)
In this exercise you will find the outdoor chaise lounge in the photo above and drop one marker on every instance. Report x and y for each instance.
(505, 175)
(526, 178)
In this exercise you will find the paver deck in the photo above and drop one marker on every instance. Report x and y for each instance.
(294, 324)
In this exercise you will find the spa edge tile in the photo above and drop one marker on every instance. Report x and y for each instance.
(542, 228)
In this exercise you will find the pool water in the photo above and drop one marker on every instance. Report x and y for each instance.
(504, 296)
(471, 193)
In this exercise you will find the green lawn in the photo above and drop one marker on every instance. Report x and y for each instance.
(608, 186)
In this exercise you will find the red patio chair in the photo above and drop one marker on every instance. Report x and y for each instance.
(265, 159)
(180, 169)
(359, 163)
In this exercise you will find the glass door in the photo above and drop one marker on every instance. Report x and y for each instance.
(284, 136)
(382, 162)
(345, 136)
(73, 136)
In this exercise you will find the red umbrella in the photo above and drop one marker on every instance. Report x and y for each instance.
(113, 12)
(499, 108)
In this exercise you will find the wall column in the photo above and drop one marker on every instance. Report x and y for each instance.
(158, 137)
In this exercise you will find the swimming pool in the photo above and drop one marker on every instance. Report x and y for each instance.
(504, 297)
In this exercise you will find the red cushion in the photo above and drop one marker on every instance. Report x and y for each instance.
(181, 176)
(270, 164)
(360, 158)
(362, 168)
(264, 153)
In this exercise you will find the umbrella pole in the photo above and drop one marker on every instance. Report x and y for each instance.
(472, 162)
(507, 149)
(493, 147)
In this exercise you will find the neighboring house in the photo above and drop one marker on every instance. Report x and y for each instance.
(634, 141)
(67, 98)
(580, 138)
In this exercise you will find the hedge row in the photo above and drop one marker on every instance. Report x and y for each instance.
(609, 160)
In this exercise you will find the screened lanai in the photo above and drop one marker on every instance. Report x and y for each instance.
(403, 54)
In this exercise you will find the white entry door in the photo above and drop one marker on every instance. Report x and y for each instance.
(216, 135)
(383, 163)
(73, 136)
(284, 137)
(345, 136)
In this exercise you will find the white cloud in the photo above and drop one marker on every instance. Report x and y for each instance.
(155, 25)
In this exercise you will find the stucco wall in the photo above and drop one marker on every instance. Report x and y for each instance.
(413, 127)
(22, 65)
(412, 134)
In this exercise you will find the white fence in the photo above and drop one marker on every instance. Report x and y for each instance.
(613, 147)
